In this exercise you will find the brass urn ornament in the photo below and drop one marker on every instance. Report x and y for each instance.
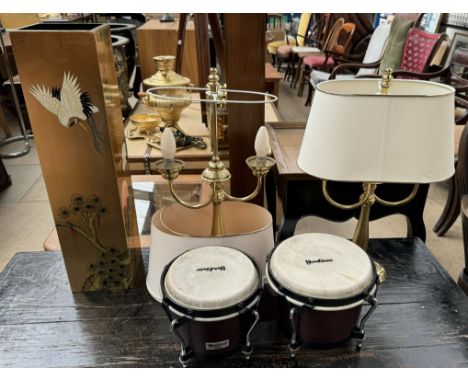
(161, 83)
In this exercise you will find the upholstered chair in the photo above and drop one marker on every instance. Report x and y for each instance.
(279, 49)
(340, 47)
(374, 52)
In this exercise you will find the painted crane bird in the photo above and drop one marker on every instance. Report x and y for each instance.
(70, 105)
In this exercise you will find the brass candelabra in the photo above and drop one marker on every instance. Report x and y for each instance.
(216, 174)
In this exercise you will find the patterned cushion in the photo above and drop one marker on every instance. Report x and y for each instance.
(314, 61)
(418, 48)
(284, 50)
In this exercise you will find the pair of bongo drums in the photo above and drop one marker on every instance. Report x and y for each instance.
(321, 282)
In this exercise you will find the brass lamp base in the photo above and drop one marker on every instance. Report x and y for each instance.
(366, 200)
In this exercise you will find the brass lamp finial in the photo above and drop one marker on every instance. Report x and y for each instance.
(213, 81)
(385, 82)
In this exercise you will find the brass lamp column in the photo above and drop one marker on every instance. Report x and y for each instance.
(366, 200)
(215, 174)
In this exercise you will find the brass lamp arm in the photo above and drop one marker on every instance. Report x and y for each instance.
(362, 199)
(183, 202)
(258, 188)
(400, 202)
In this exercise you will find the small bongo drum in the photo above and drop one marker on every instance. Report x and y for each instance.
(210, 295)
(323, 280)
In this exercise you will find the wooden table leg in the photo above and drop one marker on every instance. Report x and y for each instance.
(270, 193)
(3, 121)
(451, 210)
(276, 91)
(463, 278)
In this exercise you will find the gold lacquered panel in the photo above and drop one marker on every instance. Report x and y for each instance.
(64, 72)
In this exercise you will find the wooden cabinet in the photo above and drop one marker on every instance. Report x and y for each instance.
(156, 38)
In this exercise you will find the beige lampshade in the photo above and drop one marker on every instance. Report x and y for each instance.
(176, 229)
(354, 133)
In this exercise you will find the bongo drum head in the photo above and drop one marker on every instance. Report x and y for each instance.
(321, 266)
(209, 278)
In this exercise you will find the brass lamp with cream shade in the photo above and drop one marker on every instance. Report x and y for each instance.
(378, 131)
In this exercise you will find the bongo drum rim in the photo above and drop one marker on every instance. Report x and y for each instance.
(321, 303)
(220, 313)
(289, 298)
(215, 318)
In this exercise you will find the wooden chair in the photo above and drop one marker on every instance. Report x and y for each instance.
(418, 52)
(339, 48)
(284, 52)
(399, 28)
(314, 42)
(373, 54)
(291, 39)
(454, 74)
(316, 51)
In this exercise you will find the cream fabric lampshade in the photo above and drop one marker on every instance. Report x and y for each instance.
(354, 133)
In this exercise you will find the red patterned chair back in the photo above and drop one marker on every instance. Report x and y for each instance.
(420, 47)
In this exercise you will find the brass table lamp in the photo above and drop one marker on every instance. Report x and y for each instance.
(215, 173)
(378, 131)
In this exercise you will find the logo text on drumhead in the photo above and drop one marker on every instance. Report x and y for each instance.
(309, 262)
(211, 269)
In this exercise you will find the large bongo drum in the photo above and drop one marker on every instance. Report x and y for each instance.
(210, 295)
(323, 281)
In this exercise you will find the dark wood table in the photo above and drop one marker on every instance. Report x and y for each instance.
(421, 321)
(5, 178)
(272, 80)
(301, 194)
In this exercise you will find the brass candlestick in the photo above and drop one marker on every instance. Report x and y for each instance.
(215, 173)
